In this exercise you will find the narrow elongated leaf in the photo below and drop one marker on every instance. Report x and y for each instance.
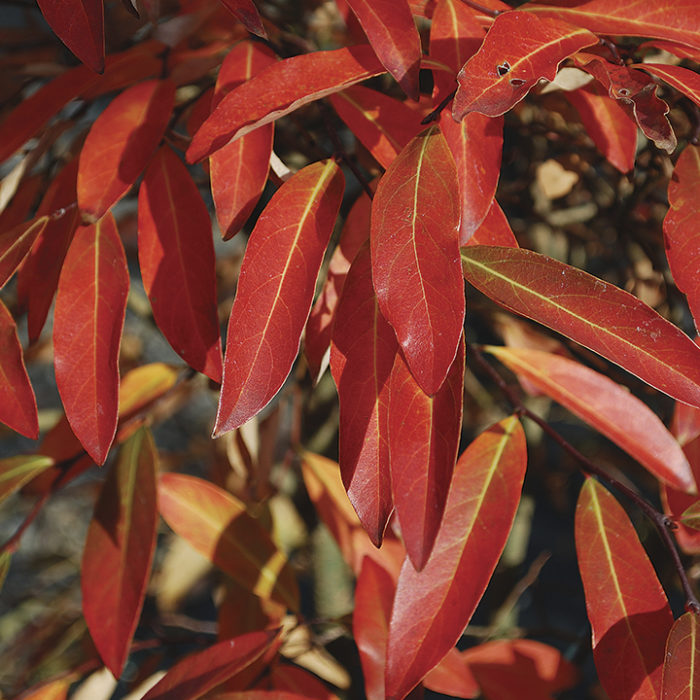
(142, 385)
(681, 674)
(120, 144)
(275, 291)
(481, 505)
(15, 472)
(414, 241)
(119, 549)
(176, 257)
(519, 50)
(247, 13)
(629, 614)
(605, 405)
(681, 234)
(16, 243)
(494, 229)
(423, 441)
(217, 524)
(88, 322)
(17, 403)
(279, 90)
(590, 311)
(362, 354)
(198, 673)
(79, 24)
(392, 33)
(683, 79)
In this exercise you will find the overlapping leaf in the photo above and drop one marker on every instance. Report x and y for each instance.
(88, 322)
(16, 243)
(494, 229)
(629, 614)
(119, 549)
(519, 50)
(681, 675)
(415, 248)
(275, 290)
(481, 505)
(590, 311)
(684, 80)
(15, 472)
(247, 13)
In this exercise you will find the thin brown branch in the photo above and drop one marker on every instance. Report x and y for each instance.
(480, 8)
(435, 114)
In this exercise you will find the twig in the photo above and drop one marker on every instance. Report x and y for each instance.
(480, 8)
(662, 522)
(610, 46)
(435, 114)
(11, 545)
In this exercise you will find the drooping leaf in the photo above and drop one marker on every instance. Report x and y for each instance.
(17, 402)
(16, 243)
(681, 234)
(414, 242)
(88, 322)
(423, 439)
(392, 33)
(494, 229)
(681, 674)
(79, 24)
(279, 90)
(239, 170)
(590, 311)
(519, 49)
(119, 549)
(362, 355)
(120, 143)
(605, 405)
(247, 13)
(217, 525)
(629, 614)
(275, 290)
(17, 471)
(481, 505)
(683, 79)
(176, 257)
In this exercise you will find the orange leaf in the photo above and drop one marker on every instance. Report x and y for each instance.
(681, 675)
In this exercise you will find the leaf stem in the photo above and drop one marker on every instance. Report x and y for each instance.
(435, 114)
(480, 8)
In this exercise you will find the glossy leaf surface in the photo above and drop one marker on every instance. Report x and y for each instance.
(617, 326)
(415, 253)
(279, 90)
(275, 290)
(503, 71)
(627, 608)
(176, 257)
(217, 524)
(605, 405)
(681, 675)
(88, 322)
(119, 549)
(481, 505)
(19, 470)
(120, 143)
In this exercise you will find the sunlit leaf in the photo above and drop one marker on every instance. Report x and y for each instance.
(494, 229)
(681, 675)
(19, 470)
(684, 80)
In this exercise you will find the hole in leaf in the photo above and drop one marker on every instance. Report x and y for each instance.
(623, 92)
(503, 68)
(516, 82)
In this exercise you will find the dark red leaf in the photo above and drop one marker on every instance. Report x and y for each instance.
(22, 203)
(415, 252)
(119, 549)
(296, 680)
(681, 674)
(247, 13)
(518, 51)
(627, 608)
(275, 290)
(176, 257)
(683, 79)
(432, 607)
(88, 322)
(494, 229)
(120, 144)
(16, 243)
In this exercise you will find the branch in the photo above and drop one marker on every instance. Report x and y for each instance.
(435, 114)
(484, 10)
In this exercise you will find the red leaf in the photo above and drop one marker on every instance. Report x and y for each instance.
(453, 677)
(392, 33)
(678, 50)
(239, 170)
(296, 680)
(590, 311)
(613, 131)
(119, 550)
(684, 80)
(15, 472)
(120, 144)
(16, 243)
(247, 13)
(381, 123)
(362, 355)
(218, 526)
(494, 229)
(629, 614)
(176, 257)
(275, 290)
(681, 674)
(79, 24)
(279, 90)
(476, 144)
(415, 249)
(481, 505)
(374, 595)
(88, 322)
(198, 673)
(681, 235)
(519, 50)
(423, 441)
(17, 403)
(259, 695)
(600, 402)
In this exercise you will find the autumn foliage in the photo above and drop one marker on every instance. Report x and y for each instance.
(257, 221)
